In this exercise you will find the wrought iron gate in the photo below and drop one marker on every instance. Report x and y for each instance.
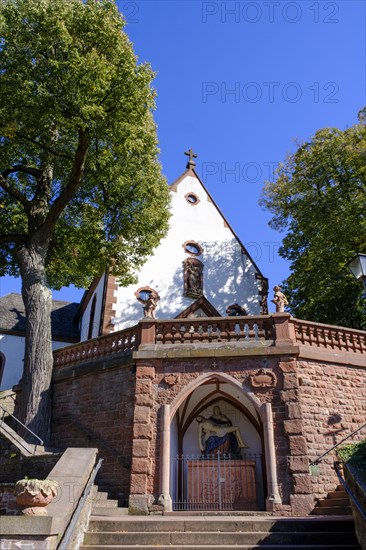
(216, 482)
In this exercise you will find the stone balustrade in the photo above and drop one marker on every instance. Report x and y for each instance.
(121, 341)
(215, 329)
(277, 329)
(328, 336)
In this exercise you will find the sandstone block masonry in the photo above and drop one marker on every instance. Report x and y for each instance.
(115, 403)
(333, 403)
(93, 406)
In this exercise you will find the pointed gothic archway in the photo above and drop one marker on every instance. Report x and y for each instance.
(183, 464)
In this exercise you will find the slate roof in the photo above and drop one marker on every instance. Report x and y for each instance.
(63, 315)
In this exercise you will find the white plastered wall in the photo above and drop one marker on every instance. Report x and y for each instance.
(84, 324)
(228, 274)
(12, 348)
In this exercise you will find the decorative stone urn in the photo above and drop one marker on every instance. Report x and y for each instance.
(32, 495)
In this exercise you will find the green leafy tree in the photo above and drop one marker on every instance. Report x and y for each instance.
(318, 198)
(80, 184)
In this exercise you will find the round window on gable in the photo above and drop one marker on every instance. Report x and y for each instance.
(192, 248)
(143, 294)
(192, 198)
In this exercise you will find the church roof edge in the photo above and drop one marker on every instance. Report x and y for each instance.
(192, 172)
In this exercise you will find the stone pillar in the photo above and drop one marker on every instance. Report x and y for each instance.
(140, 500)
(272, 484)
(147, 331)
(165, 498)
(285, 330)
(301, 498)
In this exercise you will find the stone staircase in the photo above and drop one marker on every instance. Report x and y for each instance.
(111, 527)
(336, 503)
(106, 504)
(219, 533)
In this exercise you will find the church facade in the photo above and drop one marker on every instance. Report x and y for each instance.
(201, 261)
(197, 398)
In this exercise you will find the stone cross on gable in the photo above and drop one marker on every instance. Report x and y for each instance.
(191, 155)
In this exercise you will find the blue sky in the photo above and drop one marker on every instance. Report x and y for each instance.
(241, 83)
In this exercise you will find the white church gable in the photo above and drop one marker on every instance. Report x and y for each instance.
(91, 312)
(197, 230)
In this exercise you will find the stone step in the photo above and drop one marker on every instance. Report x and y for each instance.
(98, 511)
(329, 502)
(211, 538)
(220, 524)
(220, 533)
(97, 493)
(105, 503)
(262, 546)
(332, 511)
(341, 493)
(218, 513)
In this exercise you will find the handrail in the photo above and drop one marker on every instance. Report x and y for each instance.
(348, 490)
(64, 543)
(21, 423)
(320, 458)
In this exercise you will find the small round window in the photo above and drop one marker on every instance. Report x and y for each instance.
(192, 248)
(192, 198)
(143, 294)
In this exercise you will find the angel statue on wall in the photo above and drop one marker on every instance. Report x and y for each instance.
(151, 304)
(279, 300)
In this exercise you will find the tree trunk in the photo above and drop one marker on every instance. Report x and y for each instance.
(35, 402)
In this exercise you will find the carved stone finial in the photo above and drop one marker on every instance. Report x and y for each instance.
(191, 155)
(279, 299)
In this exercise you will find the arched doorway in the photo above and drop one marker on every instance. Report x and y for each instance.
(220, 475)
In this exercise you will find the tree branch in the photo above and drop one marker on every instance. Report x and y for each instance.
(24, 169)
(45, 148)
(17, 238)
(15, 193)
(74, 182)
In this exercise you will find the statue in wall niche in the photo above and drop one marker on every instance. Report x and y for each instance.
(279, 299)
(215, 431)
(151, 304)
(193, 279)
(219, 418)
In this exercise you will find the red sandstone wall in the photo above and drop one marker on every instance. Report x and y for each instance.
(96, 410)
(152, 391)
(333, 402)
(118, 410)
